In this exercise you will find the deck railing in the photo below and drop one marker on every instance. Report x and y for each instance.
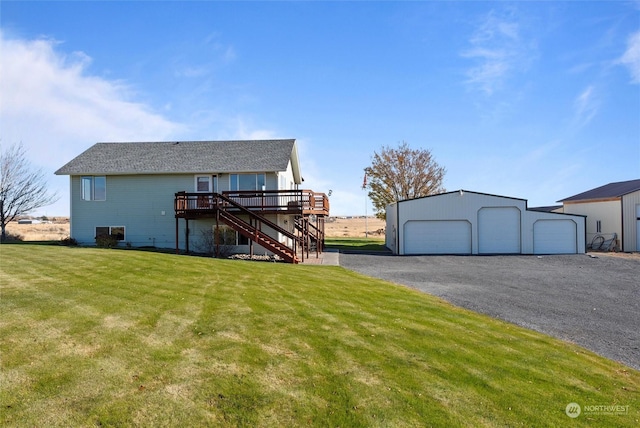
(278, 201)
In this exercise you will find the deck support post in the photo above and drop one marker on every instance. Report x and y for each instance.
(186, 235)
(216, 234)
(318, 238)
(177, 237)
(230, 208)
(305, 231)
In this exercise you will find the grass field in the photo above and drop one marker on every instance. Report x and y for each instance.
(360, 244)
(95, 337)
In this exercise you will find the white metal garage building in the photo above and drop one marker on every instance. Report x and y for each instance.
(465, 222)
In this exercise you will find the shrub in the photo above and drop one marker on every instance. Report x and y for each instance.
(69, 242)
(13, 237)
(216, 243)
(106, 241)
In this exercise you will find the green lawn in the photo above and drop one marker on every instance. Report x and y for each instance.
(360, 244)
(94, 337)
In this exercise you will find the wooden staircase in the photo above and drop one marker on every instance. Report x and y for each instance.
(311, 236)
(225, 212)
(246, 211)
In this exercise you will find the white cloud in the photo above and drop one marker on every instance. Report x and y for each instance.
(225, 51)
(247, 132)
(53, 94)
(586, 106)
(211, 54)
(54, 104)
(192, 71)
(631, 57)
(498, 49)
(57, 108)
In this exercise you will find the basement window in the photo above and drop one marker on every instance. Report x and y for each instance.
(116, 231)
(228, 236)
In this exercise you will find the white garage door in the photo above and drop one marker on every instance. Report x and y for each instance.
(555, 237)
(437, 237)
(499, 230)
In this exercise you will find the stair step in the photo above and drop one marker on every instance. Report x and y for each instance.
(259, 236)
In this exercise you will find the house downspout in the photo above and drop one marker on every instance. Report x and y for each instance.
(71, 206)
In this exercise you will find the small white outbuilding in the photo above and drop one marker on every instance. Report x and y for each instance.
(466, 222)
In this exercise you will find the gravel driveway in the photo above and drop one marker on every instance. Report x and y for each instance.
(591, 301)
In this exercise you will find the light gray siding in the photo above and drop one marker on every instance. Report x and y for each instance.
(199, 228)
(630, 214)
(143, 204)
(497, 225)
(391, 234)
(453, 206)
(531, 222)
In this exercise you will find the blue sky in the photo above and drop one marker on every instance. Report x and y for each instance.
(535, 100)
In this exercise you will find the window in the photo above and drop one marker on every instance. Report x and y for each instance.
(94, 188)
(116, 231)
(242, 240)
(228, 236)
(202, 184)
(247, 182)
(598, 226)
(206, 183)
(224, 236)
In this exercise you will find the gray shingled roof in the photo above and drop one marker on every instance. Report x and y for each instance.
(611, 190)
(184, 157)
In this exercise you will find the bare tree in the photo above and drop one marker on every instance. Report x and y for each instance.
(401, 173)
(22, 187)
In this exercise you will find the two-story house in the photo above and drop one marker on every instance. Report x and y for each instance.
(172, 194)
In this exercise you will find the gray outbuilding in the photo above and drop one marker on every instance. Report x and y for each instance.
(466, 222)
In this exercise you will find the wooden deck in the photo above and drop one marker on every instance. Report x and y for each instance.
(245, 212)
(295, 202)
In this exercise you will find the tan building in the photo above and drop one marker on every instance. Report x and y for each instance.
(613, 215)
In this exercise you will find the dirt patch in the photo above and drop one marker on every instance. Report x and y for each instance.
(336, 227)
(354, 227)
(632, 256)
(53, 230)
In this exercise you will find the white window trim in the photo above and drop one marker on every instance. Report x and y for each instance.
(210, 180)
(236, 234)
(124, 228)
(195, 183)
(92, 196)
(256, 174)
